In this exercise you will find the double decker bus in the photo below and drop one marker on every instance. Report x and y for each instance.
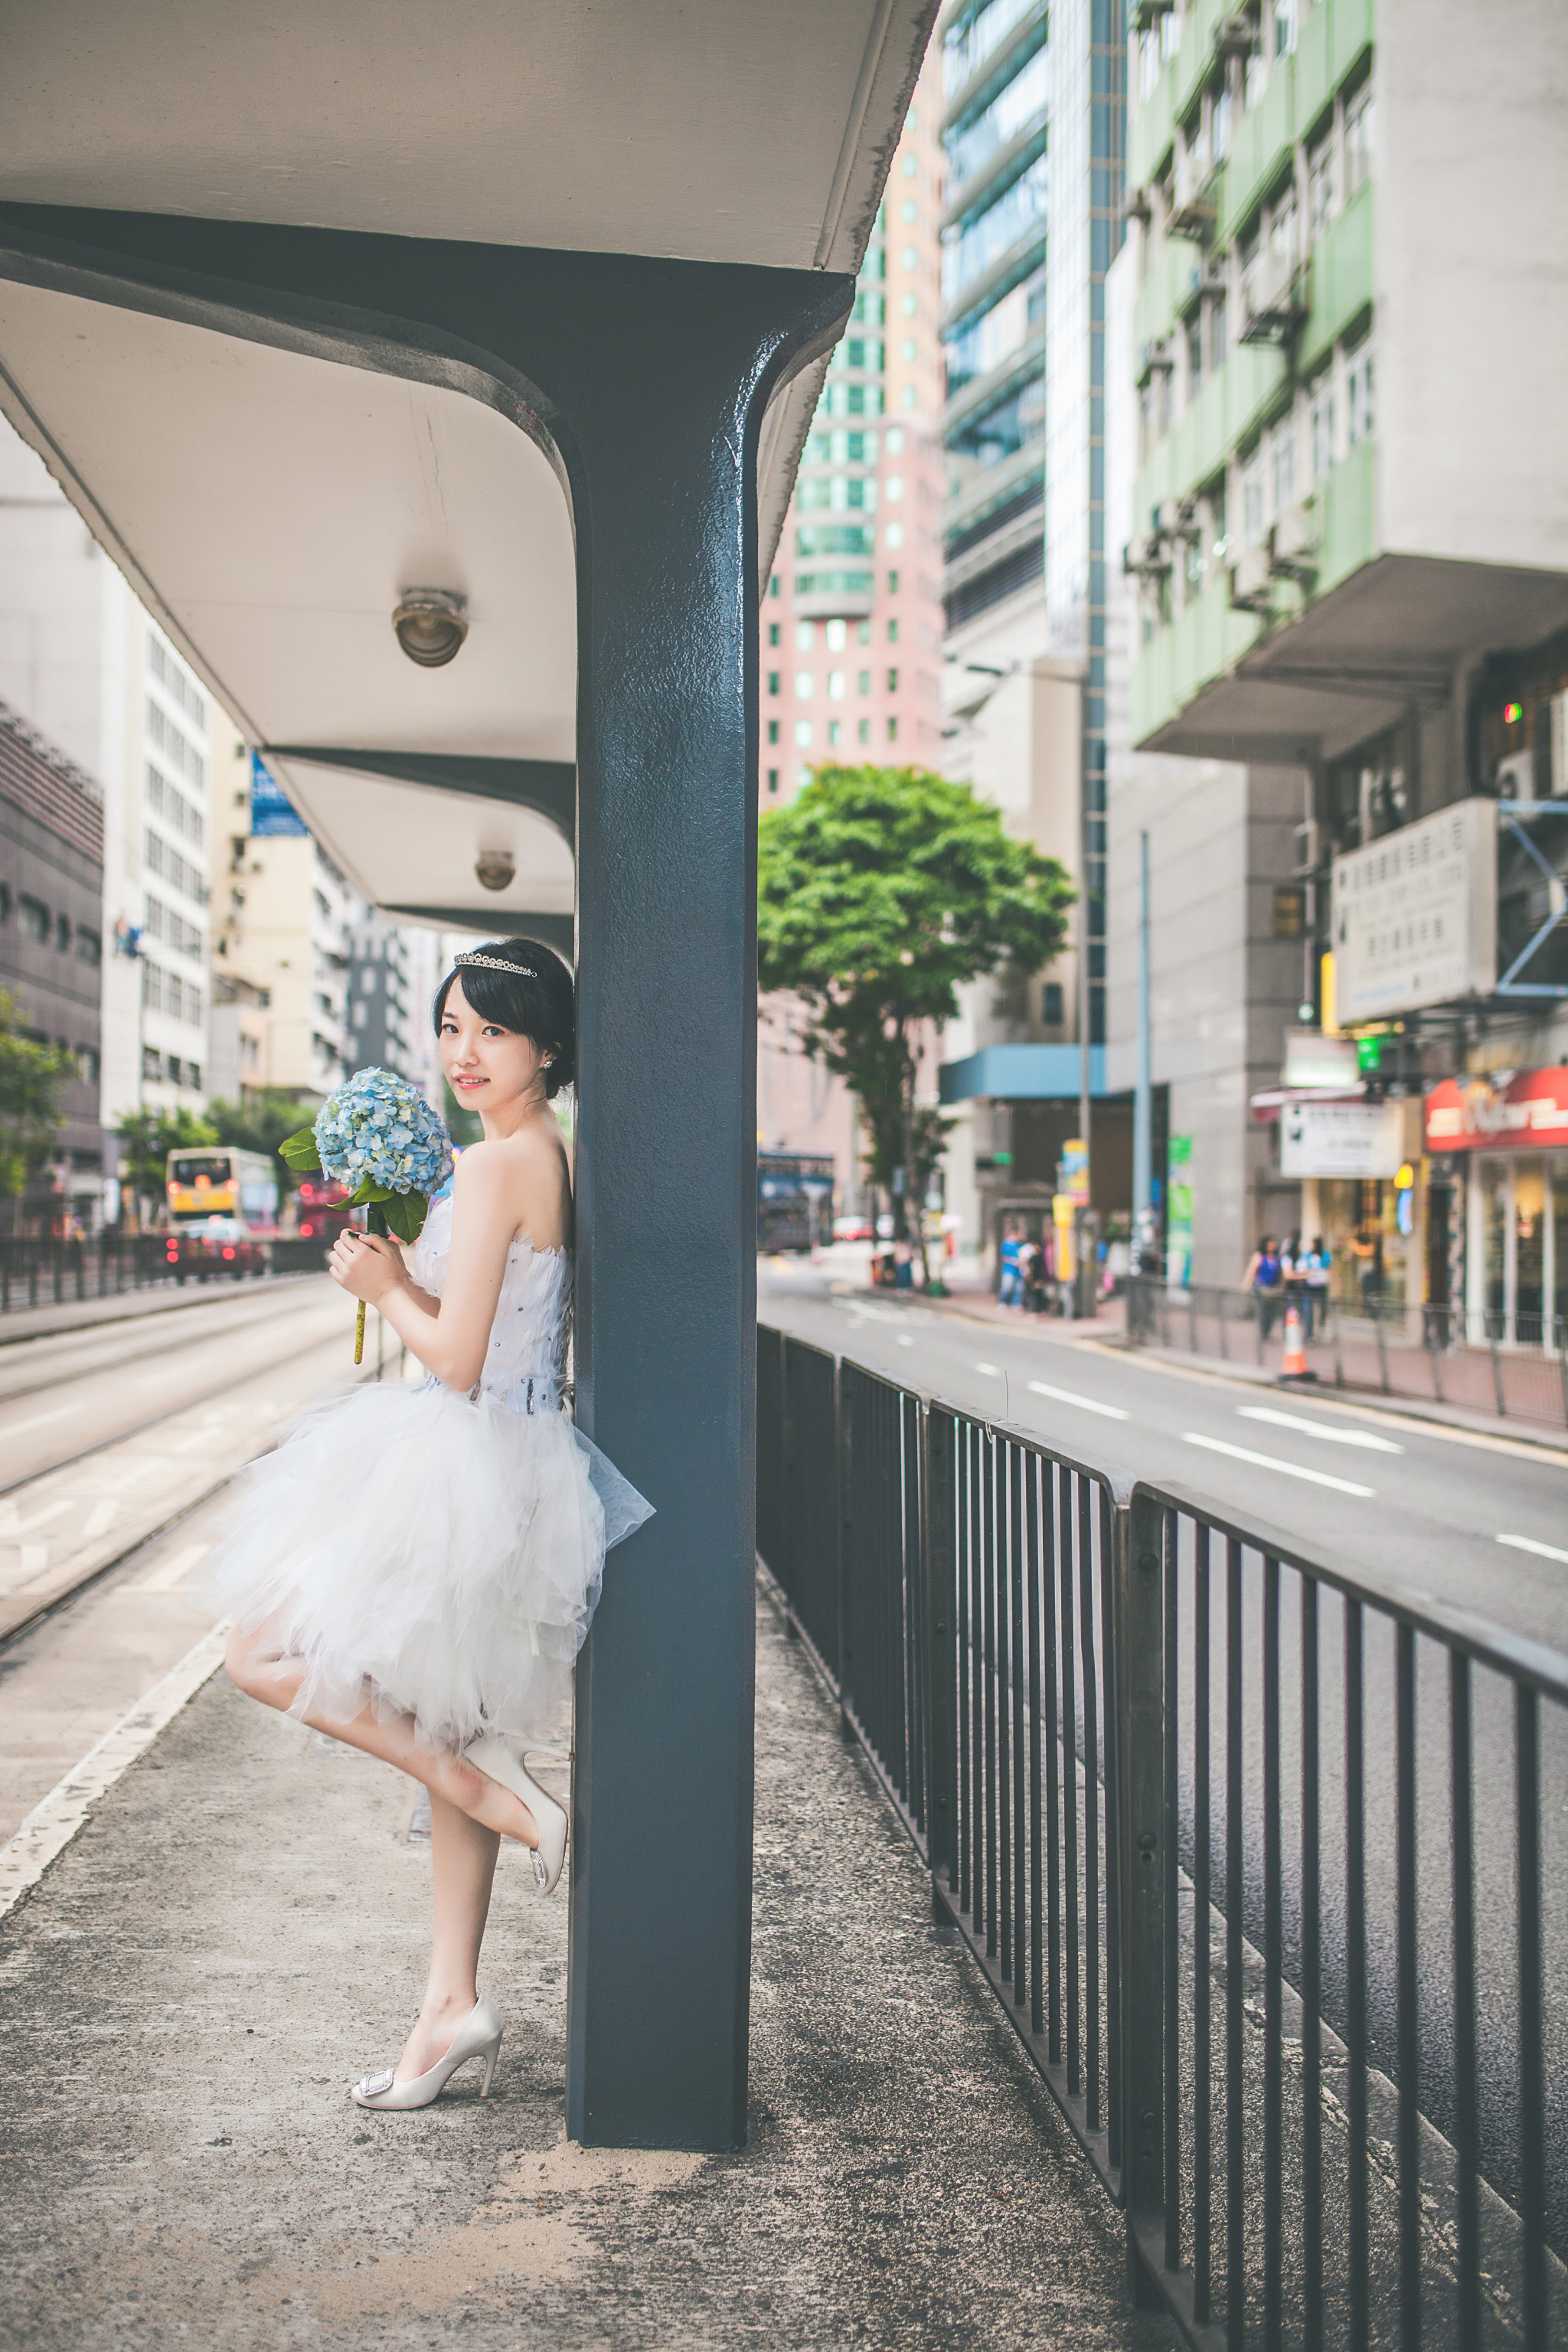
(794, 1200)
(222, 1210)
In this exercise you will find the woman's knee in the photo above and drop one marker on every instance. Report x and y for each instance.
(247, 1667)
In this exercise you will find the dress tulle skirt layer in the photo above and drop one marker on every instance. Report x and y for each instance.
(436, 1557)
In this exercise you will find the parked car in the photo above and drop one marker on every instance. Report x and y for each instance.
(214, 1248)
(852, 1229)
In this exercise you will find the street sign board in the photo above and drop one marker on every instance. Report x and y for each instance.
(1343, 1139)
(1415, 916)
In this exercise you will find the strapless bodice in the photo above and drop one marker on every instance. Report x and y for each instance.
(525, 1362)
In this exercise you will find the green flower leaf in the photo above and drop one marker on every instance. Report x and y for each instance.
(406, 1213)
(299, 1151)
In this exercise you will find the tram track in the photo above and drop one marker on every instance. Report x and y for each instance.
(98, 1348)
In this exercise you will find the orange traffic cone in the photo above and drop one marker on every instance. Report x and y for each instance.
(1294, 1367)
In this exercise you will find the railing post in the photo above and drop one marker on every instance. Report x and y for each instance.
(941, 1597)
(843, 1500)
(1138, 1541)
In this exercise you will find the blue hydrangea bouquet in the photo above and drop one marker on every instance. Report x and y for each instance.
(377, 1136)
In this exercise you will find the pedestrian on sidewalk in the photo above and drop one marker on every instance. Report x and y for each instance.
(1320, 1266)
(1266, 1280)
(414, 1570)
(1011, 1291)
(1293, 1276)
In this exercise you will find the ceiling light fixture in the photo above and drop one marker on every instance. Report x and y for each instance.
(431, 624)
(494, 868)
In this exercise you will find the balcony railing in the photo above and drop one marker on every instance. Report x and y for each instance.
(1250, 1850)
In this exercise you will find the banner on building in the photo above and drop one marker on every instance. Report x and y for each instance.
(271, 809)
(1415, 916)
(1475, 1115)
(1353, 1140)
(1179, 1212)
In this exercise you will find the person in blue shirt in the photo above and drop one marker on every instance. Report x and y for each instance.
(1265, 1278)
(1011, 1293)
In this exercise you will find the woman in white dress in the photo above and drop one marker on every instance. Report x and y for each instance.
(414, 1569)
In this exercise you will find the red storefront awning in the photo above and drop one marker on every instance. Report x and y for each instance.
(1475, 1115)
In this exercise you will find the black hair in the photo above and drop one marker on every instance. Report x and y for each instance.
(534, 996)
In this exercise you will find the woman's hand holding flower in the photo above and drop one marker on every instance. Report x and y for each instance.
(367, 1268)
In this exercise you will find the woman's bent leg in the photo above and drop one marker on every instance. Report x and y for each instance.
(262, 1673)
(463, 1865)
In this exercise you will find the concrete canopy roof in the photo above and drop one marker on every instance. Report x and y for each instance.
(270, 505)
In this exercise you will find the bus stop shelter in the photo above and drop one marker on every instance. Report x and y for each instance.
(510, 320)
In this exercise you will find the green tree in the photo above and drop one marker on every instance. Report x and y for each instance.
(259, 1122)
(33, 1078)
(146, 1139)
(881, 892)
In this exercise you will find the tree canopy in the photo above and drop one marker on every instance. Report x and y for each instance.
(146, 1139)
(881, 892)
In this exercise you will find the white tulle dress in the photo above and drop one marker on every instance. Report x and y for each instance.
(435, 1552)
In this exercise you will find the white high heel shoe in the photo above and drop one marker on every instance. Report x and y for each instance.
(479, 2036)
(502, 1759)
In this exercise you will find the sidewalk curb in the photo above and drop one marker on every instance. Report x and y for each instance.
(54, 1821)
(123, 1307)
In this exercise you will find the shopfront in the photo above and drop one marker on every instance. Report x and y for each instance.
(1498, 1151)
(1360, 1194)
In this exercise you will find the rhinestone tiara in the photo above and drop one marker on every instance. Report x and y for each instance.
(495, 964)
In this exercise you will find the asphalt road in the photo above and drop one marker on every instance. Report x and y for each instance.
(1479, 1521)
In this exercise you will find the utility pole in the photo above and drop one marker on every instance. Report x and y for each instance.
(1085, 1261)
(1143, 1089)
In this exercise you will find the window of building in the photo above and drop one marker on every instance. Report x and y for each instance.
(803, 776)
(870, 310)
(833, 731)
(1360, 403)
(908, 304)
(1219, 132)
(773, 687)
(1322, 398)
(1358, 129)
(892, 730)
(910, 166)
(1052, 1007)
(805, 635)
(34, 918)
(773, 583)
(803, 685)
(151, 1062)
(837, 634)
(802, 734)
(910, 212)
(1285, 26)
(1284, 469)
(1320, 186)
(772, 780)
(892, 591)
(893, 681)
(910, 258)
(88, 1065)
(1194, 355)
(863, 628)
(1252, 499)
(772, 731)
(1218, 332)
(63, 933)
(893, 630)
(174, 996)
(193, 1003)
(773, 633)
(89, 946)
(151, 986)
(893, 536)
(835, 686)
(1283, 247)
(865, 681)
(864, 731)
(1251, 255)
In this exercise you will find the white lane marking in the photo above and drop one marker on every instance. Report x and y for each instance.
(1361, 1437)
(53, 1822)
(905, 1341)
(1528, 1543)
(99, 1519)
(1090, 1404)
(20, 1527)
(171, 1573)
(1271, 1462)
(991, 1370)
(35, 1559)
(17, 1428)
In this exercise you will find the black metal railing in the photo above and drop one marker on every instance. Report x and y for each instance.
(41, 1272)
(1484, 1363)
(1253, 1851)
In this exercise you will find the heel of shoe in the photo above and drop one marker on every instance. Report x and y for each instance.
(492, 2060)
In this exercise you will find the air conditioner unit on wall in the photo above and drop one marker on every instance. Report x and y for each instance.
(1292, 546)
(1236, 36)
(1518, 777)
(1249, 583)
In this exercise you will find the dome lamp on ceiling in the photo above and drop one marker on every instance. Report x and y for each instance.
(431, 624)
(494, 868)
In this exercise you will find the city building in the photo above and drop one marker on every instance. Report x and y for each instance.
(51, 952)
(284, 920)
(1033, 130)
(1340, 490)
(393, 972)
(852, 619)
(85, 663)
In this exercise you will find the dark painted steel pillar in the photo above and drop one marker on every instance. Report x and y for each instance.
(647, 380)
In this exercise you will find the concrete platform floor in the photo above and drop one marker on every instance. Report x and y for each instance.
(239, 1930)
